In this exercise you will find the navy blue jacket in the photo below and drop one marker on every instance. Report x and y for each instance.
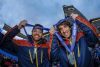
(83, 40)
(26, 50)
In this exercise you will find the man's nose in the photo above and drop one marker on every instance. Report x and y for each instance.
(36, 32)
(64, 30)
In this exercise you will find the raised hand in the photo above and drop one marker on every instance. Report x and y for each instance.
(52, 30)
(22, 24)
(74, 16)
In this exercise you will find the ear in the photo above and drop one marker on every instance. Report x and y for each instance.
(43, 35)
(70, 28)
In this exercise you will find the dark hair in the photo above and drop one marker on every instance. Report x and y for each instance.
(63, 22)
(38, 26)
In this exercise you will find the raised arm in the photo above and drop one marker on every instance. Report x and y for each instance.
(13, 32)
(89, 29)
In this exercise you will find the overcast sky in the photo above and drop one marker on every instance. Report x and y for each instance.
(46, 12)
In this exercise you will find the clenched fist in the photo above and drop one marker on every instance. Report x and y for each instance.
(52, 30)
(74, 16)
(22, 24)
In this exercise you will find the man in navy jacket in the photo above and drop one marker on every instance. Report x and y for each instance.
(80, 56)
(30, 54)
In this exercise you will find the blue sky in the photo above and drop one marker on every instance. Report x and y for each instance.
(45, 12)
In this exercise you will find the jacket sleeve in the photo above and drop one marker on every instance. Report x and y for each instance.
(54, 48)
(1, 36)
(89, 30)
(10, 34)
(85, 56)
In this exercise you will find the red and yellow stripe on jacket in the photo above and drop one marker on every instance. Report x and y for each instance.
(79, 18)
(28, 44)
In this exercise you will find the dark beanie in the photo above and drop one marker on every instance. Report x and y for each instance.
(38, 26)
